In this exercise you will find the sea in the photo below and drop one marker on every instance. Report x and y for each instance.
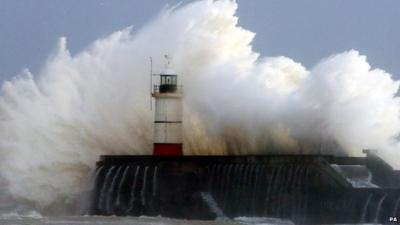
(36, 219)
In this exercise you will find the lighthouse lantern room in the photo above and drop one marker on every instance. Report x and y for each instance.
(168, 114)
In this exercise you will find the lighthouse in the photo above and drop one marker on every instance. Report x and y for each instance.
(168, 114)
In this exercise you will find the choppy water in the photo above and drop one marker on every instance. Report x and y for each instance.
(13, 219)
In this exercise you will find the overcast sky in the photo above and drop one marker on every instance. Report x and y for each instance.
(305, 30)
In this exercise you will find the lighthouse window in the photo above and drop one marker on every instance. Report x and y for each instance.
(168, 80)
(162, 79)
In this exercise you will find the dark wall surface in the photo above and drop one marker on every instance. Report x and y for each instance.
(306, 189)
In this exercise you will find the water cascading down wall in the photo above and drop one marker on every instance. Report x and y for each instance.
(307, 189)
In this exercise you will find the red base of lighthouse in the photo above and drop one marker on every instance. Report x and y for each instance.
(164, 149)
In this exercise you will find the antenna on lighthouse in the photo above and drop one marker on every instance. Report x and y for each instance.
(151, 83)
(168, 58)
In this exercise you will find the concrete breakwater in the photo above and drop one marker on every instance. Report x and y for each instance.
(306, 189)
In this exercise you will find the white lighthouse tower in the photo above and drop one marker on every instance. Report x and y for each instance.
(168, 114)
